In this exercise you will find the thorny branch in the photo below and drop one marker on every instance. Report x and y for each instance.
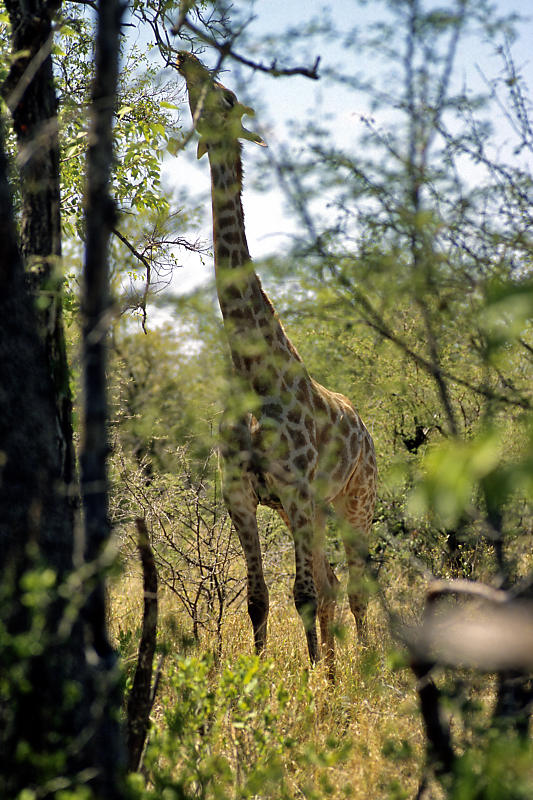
(154, 262)
(226, 49)
(193, 546)
(369, 315)
(147, 265)
(159, 26)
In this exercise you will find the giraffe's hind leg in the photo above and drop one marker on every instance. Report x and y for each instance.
(327, 590)
(356, 557)
(356, 506)
(298, 512)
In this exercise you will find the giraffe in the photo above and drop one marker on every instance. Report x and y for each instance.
(286, 441)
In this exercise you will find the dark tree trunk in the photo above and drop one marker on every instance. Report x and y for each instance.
(30, 95)
(141, 698)
(36, 532)
(96, 309)
(58, 721)
(32, 503)
(96, 315)
(439, 745)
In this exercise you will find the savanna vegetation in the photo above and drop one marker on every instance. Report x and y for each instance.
(407, 286)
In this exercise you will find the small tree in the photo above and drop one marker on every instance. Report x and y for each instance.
(197, 555)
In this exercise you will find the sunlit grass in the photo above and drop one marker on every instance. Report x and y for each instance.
(369, 715)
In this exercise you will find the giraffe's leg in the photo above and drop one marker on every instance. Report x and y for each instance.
(242, 507)
(245, 522)
(356, 557)
(241, 502)
(326, 583)
(298, 507)
(356, 507)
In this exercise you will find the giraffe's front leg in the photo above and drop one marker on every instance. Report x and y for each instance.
(245, 522)
(327, 586)
(299, 509)
(242, 510)
(241, 502)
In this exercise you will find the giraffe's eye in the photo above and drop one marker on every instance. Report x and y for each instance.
(229, 99)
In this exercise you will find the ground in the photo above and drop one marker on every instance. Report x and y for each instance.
(361, 737)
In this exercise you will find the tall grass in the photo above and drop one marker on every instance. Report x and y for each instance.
(276, 727)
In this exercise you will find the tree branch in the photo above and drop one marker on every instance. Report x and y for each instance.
(147, 265)
(439, 588)
(226, 49)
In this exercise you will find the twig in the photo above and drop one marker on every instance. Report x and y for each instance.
(226, 49)
(146, 263)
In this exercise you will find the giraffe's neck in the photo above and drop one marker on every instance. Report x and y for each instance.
(261, 350)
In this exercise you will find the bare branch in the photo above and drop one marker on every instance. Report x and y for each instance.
(147, 265)
(438, 588)
(496, 638)
(226, 49)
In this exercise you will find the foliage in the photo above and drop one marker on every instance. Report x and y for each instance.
(413, 268)
(39, 621)
(241, 732)
(501, 769)
(240, 709)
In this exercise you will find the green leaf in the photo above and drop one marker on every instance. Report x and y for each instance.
(123, 111)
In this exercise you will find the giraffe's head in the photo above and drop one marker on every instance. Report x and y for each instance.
(215, 109)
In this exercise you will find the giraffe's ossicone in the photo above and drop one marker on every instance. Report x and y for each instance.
(286, 441)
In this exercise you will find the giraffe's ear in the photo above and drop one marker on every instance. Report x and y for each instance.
(202, 149)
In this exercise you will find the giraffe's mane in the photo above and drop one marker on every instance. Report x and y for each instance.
(239, 166)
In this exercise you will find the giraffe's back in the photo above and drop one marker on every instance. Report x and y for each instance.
(346, 454)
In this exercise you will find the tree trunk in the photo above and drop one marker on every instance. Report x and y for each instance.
(142, 697)
(30, 95)
(36, 531)
(59, 708)
(95, 309)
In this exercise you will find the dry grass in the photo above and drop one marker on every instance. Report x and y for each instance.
(371, 706)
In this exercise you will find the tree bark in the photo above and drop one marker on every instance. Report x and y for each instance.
(36, 533)
(142, 697)
(30, 95)
(33, 504)
(58, 721)
(96, 315)
(439, 746)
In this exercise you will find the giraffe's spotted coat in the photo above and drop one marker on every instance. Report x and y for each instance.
(303, 446)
